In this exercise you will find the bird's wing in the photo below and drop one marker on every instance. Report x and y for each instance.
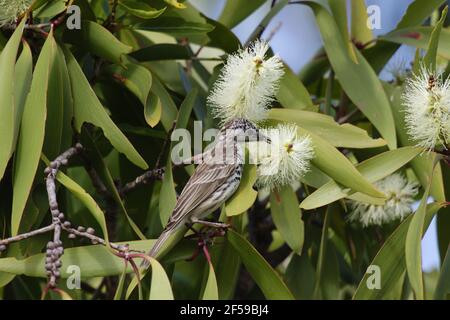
(202, 184)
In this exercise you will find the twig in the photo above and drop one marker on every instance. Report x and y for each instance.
(146, 177)
(155, 174)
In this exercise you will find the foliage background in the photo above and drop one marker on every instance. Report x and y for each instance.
(145, 70)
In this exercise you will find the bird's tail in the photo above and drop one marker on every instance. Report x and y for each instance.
(157, 246)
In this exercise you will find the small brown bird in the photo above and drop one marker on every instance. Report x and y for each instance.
(214, 181)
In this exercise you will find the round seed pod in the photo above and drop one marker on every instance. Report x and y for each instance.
(54, 164)
(81, 229)
(58, 264)
(2, 247)
(57, 274)
(72, 236)
(61, 216)
(50, 245)
(67, 224)
(64, 162)
(78, 146)
(90, 230)
(47, 171)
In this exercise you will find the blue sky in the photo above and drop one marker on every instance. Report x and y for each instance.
(297, 39)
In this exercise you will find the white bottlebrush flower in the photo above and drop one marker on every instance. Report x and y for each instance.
(426, 101)
(10, 10)
(284, 160)
(400, 195)
(247, 84)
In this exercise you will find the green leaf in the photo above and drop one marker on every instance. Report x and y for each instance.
(373, 169)
(300, 277)
(413, 248)
(332, 162)
(287, 217)
(339, 10)
(262, 273)
(391, 259)
(134, 77)
(236, 11)
(174, 26)
(50, 9)
(153, 110)
(160, 288)
(97, 40)
(59, 108)
(419, 37)
(8, 125)
(119, 291)
(22, 83)
(360, 30)
(87, 108)
(245, 195)
(430, 57)
(32, 131)
(210, 291)
(140, 9)
(443, 287)
(322, 255)
(339, 135)
(292, 94)
(162, 51)
(358, 80)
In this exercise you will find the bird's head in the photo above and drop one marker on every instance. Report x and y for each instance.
(243, 130)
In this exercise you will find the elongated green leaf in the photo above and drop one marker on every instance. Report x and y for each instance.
(344, 135)
(391, 259)
(58, 100)
(160, 288)
(119, 291)
(287, 217)
(413, 248)
(329, 160)
(236, 11)
(135, 77)
(358, 80)
(360, 30)
(292, 94)
(174, 26)
(265, 277)
(442, 291)
(97, 40)
(87, 108)
(8, 124)
(339, 10)
(372, 169)
(210, 292)
(140, 9)
(245, 195)
(32, 130)
(430, 57)
(419, 37)
(22, 83)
